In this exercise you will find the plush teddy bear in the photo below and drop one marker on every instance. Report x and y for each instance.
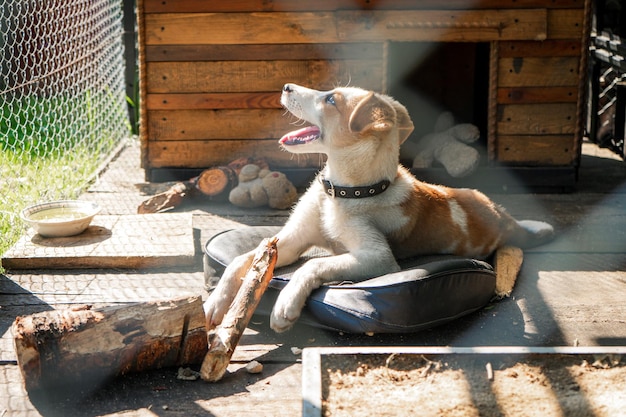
(448, 145)
(261, 187)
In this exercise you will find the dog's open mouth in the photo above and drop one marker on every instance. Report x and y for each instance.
(301, 136)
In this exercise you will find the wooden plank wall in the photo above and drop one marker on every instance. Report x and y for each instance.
(211, 72)
(539, 95)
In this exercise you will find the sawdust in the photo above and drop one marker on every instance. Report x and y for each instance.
(473, 385)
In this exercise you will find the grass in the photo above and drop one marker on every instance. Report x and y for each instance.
(41, 179)
(50, 148)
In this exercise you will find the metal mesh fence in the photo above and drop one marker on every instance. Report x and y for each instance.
(63, 106)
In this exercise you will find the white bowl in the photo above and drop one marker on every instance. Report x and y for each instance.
(60, 218)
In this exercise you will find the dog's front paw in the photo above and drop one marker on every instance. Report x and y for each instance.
(215, 309)
(284, 314)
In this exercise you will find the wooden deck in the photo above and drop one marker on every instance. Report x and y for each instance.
(571, 292)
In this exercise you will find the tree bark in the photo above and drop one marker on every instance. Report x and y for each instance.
(225, 337)
(84, 347)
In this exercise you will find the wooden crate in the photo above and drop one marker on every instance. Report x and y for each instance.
(211, 73)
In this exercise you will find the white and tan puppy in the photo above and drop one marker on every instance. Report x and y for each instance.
(365, 208)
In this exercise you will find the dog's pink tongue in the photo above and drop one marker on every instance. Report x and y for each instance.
(300, 136)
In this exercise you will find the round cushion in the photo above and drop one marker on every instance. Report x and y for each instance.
(427, 292)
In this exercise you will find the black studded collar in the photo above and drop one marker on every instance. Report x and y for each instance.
(354, 192)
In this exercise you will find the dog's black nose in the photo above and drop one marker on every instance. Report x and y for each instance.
(287, 88)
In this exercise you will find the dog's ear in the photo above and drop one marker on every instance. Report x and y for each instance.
(381, 114)
(372, 113)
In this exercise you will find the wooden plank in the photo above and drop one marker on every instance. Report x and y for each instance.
(538, 72)
(565, 24)
(127, 241)
(527, 95)
(239, 28)
(267, 100)
(195, 6)
(545, 150)
(276, 393)
(344, 26)
(283, 52)
(259, 76)
(183, 6)
(536, 119)
(443, 26)
(208, 153)
(218, 124)
(548, 48)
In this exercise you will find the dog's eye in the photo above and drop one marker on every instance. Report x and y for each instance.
(330, 99)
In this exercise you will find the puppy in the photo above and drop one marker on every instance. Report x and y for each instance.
(366, 209)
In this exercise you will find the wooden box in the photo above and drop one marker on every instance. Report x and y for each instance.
(211, 73)
(463, 381)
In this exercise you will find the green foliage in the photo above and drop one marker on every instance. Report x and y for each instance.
(35, 126)
(50, 148)
(41, 179)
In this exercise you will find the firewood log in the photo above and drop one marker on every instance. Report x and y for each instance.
(211, 182)
(84, 347)
(225, 337)
(215, 181)
(166, 200)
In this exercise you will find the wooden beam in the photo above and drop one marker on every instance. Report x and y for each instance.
(345, 26)
(257, 52)
(538, 72)
(528, 95)
(186, 6)
(262, 100)
(208, 153)
(536, 150)
(548, 48)
(259, 76)
(218, 124)
(537, 119)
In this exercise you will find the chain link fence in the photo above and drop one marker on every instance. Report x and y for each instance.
(62, 98)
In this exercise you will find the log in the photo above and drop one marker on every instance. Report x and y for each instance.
(215, 181)
(167, 200)
(84, 347)
(225, 337)
(212, 182)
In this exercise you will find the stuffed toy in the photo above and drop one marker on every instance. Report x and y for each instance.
(261, 187)
(448, 146)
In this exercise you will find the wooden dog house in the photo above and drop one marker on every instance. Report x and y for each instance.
(211, 73)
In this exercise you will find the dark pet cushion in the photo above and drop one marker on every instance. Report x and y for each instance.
(427, 292)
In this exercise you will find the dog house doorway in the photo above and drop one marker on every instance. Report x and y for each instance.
(430, 78)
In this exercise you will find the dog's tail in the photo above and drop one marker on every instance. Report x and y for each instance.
(531, 233)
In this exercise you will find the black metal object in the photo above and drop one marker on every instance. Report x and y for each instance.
(606, 116)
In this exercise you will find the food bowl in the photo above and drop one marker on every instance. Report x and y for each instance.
(60, 218)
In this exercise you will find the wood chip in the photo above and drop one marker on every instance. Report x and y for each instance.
(489, 371)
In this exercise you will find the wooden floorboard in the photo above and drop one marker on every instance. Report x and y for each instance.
(110, 241)
(571, 291)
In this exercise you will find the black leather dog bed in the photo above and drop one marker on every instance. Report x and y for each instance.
(429, 291)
